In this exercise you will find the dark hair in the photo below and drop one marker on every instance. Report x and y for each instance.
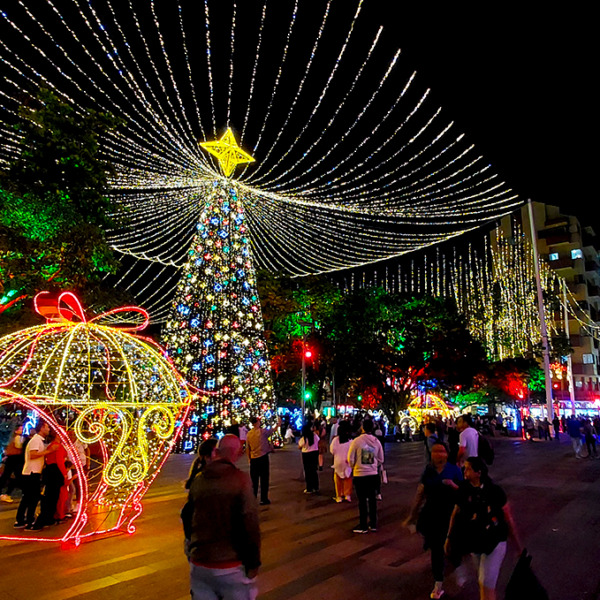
(253, 421)
(344, 431)
(206, 447)
(367, 426)
(39, 425)
(204, 451)
(467, 418)
(479, 466)
(430, 427)
(307, 433)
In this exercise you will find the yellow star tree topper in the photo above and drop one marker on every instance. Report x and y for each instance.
(228, 152)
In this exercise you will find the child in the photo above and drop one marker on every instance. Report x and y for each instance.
(64, 507)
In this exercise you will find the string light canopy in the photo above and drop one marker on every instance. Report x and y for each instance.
(102, 385)
(355, 162)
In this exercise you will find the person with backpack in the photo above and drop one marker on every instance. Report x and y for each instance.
(481, 524)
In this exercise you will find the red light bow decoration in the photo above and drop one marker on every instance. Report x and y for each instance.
(66, 307)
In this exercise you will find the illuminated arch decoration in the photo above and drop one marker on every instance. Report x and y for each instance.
(424, 406)
(97, 381)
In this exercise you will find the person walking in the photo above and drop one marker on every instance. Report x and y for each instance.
(225, 534)
(13, 465)
(556, 426)
(258, 449)
(589, 433)
(342, 471)
(480, 524)
(433, 504)
(468, 443)
(309, 445)
(365, 455)
(574, 430)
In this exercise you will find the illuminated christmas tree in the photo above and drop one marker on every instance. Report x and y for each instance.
(215, 333)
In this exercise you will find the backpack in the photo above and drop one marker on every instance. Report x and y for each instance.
(485, 450)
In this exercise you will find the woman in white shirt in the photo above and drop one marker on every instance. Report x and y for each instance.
(309, 444)
(342, 471)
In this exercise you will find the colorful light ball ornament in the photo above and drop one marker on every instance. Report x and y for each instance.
(97, 382)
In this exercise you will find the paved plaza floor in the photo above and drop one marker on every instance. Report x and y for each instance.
(309, 550)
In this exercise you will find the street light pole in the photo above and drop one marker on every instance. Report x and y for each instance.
(303, 374)
(304, 324)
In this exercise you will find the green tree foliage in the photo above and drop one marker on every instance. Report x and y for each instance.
(375, 345)
(54, 207)
(396, 343)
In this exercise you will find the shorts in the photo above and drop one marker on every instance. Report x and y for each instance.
(488, 565)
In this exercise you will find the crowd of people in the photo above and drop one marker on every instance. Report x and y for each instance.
(458, 509)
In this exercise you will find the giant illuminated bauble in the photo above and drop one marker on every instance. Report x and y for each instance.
(101, 384)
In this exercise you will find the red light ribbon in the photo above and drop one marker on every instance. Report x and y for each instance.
(65, 307)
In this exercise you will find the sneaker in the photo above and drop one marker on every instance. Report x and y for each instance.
(348, 498)
(6, 498)
(338, 499)
(36, 527)
(265, 502)
(437, 591)
(372, 528)
(29, 527)
(360, 529)
(18, 525)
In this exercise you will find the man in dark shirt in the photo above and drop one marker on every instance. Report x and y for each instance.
(574, 429)
(225, 535)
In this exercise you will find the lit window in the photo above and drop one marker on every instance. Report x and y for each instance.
(588, 359)
(577, 253)
(553, 256)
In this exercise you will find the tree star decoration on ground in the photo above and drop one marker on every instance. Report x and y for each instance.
(228, 152)
(356, 161)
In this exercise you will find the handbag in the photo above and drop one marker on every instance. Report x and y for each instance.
(523, 583)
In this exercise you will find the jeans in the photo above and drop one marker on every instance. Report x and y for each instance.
(32, 485)
(221, 584)
(576, 441)
(259, 471)
(366, 492)
(310, 462)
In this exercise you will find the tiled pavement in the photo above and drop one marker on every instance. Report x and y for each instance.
(309, 551)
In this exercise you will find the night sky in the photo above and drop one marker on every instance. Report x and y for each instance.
(518, 83)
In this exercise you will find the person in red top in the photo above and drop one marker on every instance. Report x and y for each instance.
(54, 477)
